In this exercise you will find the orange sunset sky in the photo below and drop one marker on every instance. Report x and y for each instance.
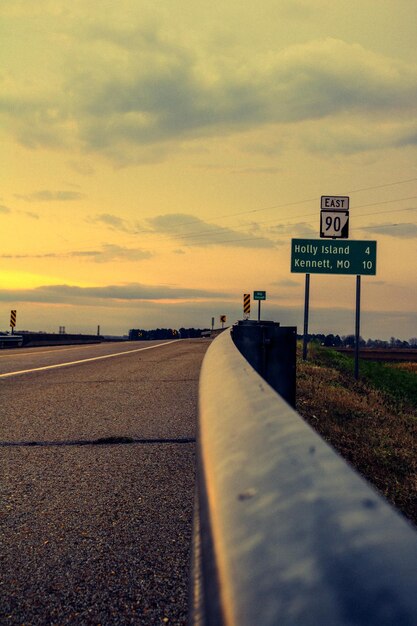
(158, 157)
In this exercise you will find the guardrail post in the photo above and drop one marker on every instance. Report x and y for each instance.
(271, 350)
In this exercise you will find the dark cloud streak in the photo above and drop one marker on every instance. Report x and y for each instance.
(193, 231)
(108, 253)
(113, 221)
(45, 195)
(401, 231)
(70, 294)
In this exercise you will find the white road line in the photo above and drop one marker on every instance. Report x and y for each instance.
(94, 358)
(32, 352)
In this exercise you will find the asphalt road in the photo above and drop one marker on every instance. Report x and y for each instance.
(97, 483)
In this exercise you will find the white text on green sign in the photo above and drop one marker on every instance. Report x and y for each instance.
(259, 295)
(314, 256)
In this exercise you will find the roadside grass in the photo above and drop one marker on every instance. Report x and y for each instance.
(372, 422)
(398, 382)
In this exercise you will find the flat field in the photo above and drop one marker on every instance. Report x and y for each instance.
(372, 422)
(384, 354)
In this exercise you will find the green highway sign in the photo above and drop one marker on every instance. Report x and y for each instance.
(259, 295)
(315, 256)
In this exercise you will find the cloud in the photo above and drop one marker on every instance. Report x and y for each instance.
(286, 283)
(296, 9)
(358, 135)
(113, 221)
(133, 92)
(301, 229)
(81, 168)
(45, 195)
(173, 98)
(269, 147)
(31, 214)
(193, 231)
(257, 170)
(112, 252)
(402, 231)
(132, 292)
(108, 253)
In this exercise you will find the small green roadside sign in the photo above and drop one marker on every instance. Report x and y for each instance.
(315, 256)
(259, 295)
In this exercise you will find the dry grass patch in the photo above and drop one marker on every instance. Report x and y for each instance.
(373, 433)
(407, 367)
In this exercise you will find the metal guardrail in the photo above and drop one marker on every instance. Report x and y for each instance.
(51, 339)
(10, 341)
(286, 532)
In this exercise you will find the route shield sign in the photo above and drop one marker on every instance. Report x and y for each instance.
(334, 217)
(314, 256)
(334, 224)
(259, 295)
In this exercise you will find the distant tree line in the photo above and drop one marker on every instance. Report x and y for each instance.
(139, 334)
(330, 340)
(348, 341)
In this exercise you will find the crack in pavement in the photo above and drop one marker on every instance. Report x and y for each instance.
(101, 441)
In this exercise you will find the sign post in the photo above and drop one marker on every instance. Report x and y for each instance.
(259, 296)
(357, 325)
(306, 309)
(223, 320)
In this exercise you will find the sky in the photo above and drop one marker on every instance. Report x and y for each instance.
(159, 156)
